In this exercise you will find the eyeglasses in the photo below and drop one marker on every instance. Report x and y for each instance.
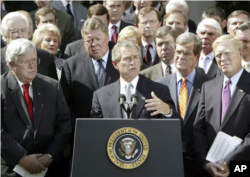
(16, 31)
(151, 22)
(27, 63)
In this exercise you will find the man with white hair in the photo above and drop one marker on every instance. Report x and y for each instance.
(182, 6)
(208, 30)
(35, 118)
(14, 26)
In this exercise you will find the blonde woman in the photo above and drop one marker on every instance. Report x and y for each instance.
(130, 33)
(48, 37)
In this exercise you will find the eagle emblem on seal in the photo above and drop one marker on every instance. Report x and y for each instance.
(128, 147)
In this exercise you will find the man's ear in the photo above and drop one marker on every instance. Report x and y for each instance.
(115, 65)
(56, 22)
(36, 23)
(224, 22)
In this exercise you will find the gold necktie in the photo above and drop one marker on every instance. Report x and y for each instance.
(183, 98)
(247, 67)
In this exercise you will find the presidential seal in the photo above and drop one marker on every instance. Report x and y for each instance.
(128, 148)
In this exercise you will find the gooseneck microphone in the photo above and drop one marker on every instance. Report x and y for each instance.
(122, 99)
(134, 99)
(129, 106)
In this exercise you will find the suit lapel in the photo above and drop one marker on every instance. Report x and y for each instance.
(89, 68)
(239, 92)
(173, 90)
(213, 68)
(157, 59)
(113, 94)
(38, 102)
(216, 101)
(158, 71)
(141, 91)
(110, 70)
(122, 25)
(18, 100)
(194, 96)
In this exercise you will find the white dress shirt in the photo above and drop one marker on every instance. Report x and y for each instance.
(152, 50)
(111, 30)
(21, 87)
(65, 3)
(164, 66)
(244, 63)
(234, 81)
(104, 63)
(187, 30)
(127, 12)
(208, 61)
(123, 87)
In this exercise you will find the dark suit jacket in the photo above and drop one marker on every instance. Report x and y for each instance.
(187, 131)
(105, 101)
(3, 13)
(79, 81)
(130, 18)
(77, 47)
(65, 24)
(192, 26)
(155, 72)
(124, 24)
(236, 121)
(79, 12)
(131, 11)
(46, 67)
(51, 128)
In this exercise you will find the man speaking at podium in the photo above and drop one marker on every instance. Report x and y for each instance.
(152, 99)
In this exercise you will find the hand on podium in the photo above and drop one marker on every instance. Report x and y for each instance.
(218, 169)
(157, 105)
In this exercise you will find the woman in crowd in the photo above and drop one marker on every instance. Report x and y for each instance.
(130, 33)
(48, 37)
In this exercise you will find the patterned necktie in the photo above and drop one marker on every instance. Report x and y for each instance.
(147, 57)
(115, 34)
(247, 67)
(128, 92)
(183, 98)
(226, 96)
(168, 70)
(28, 100)
(100, 73)
(69, 11)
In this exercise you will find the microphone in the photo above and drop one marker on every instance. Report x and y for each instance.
(134, 99)
(122, 99)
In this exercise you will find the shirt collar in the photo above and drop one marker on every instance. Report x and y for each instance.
(210, 55)
(117, 25)
(3, 7)
(105, 58)
(158, 6)
(65, 4)
(134, 82)
(127, 11)
(190, 77)
(21, 83)
(144, 44)
(164, 66)
(187, 30)
(136, 12)
(243, 63)
(234, 79)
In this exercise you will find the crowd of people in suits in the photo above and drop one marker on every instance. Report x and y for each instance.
(63, 61)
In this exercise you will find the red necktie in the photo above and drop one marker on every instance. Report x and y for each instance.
(147, 57)
(115, 34)
(28, 100)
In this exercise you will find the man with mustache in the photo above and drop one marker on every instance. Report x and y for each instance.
(115, 9)
(149, 21)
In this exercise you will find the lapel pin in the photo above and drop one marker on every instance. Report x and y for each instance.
(199, 90)
(39, 93)
(42, 105)
(143, 98)
(241, 90)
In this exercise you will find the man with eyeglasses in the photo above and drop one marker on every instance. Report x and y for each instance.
(15, 26)
(35, 117)
(149, 21)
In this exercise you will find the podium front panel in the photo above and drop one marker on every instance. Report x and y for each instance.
(90, 157)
